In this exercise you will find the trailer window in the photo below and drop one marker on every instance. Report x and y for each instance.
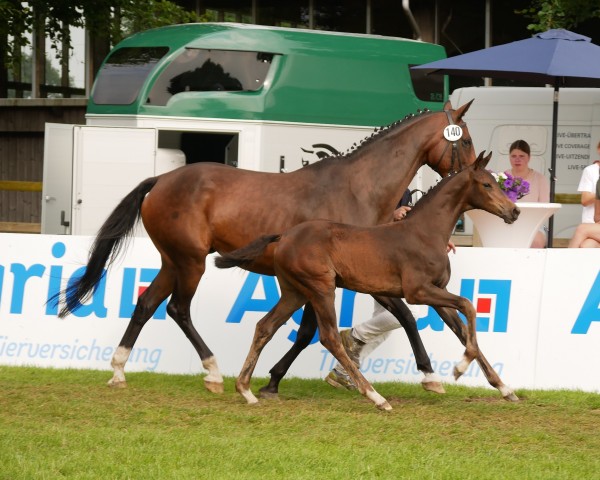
(429, 88)
(123, 74)
(199, 70)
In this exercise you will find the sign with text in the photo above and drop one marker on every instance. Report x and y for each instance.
(536, 326)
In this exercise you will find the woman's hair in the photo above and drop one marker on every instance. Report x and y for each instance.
(520, 145)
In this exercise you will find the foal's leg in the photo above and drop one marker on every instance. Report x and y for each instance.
(160, 288)
(431, 382)
(306, 332)
(453, 321)
(430, 294)
(331, 340)
(265, 329)
(178, 308)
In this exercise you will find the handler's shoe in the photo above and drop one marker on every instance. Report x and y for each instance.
(352, 345)
(338, 379)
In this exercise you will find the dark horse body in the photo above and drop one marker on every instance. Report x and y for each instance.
(205, 207)
(402, 259)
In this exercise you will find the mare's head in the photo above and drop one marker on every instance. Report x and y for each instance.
(482, 191)
(452, 148)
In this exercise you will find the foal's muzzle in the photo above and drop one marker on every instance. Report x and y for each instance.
(512, 215)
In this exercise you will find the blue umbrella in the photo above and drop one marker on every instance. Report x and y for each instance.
(557, 57)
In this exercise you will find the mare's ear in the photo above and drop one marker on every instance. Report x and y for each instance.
(482, 161)
(460, 112)
(447, 105)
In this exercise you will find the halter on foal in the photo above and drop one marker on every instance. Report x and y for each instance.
(206, 207)
(402, 259)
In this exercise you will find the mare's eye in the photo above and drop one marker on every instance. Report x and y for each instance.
(467, 142)
(487, 185)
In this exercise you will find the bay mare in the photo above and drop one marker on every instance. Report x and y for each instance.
(401, 259)
(205, 207)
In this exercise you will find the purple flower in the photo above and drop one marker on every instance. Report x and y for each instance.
(513, 187)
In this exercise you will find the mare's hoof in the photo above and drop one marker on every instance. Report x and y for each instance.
(511, 398)
(435, 387)
(117, 383)
(214, 387)
(266, 392)
(457, 373)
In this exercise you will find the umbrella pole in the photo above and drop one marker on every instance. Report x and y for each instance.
(552, 168)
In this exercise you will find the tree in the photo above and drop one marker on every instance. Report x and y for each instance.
(547, 14)
(107, 21)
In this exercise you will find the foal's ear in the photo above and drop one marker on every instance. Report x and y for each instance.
(460, 112)
(482, 161)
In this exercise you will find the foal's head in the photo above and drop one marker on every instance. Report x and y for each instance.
(482, 191)
(453, 147)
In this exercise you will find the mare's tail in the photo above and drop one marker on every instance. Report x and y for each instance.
(243, 257)
(109, 242)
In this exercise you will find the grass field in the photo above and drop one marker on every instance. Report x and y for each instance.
(58, 424)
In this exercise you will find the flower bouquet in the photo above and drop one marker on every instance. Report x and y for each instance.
(514, 188)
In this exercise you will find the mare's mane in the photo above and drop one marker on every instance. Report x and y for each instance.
(378, 133)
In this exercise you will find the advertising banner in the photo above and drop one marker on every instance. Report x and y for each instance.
(538, 316)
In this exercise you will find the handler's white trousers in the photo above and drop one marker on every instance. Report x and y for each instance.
(376, 330)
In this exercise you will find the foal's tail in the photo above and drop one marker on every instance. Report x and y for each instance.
(109, 242)
(243, 257)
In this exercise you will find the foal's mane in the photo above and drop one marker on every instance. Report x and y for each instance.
(378, 134)
(431, 193)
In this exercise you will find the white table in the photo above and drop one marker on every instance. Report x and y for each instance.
(495, 233)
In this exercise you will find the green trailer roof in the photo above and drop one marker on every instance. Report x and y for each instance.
(238, 71)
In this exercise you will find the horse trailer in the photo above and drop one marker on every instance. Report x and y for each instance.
(254, 97)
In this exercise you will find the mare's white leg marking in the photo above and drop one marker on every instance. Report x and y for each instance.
(431, 377)
(249, 396)
(118, 362)
(213, 380)
(378, 400)
(214, 375)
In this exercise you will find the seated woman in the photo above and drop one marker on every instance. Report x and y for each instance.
(539, 186)
(587, 235)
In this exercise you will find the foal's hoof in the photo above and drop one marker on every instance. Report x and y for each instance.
(435, 387)
(214, 387)
(385, 406)
(511, 398)
(266, 392)
(112, 383)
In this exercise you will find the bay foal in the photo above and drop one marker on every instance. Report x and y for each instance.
(402, 259)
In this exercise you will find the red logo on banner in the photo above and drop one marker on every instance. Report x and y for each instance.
(484, 305)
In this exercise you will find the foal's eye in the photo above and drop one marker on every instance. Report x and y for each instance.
(487, 185)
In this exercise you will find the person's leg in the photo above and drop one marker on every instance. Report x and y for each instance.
(539, 241)
(586, 235)
(361, 340)
(376, 330)
(590, 243)
(593, 235)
